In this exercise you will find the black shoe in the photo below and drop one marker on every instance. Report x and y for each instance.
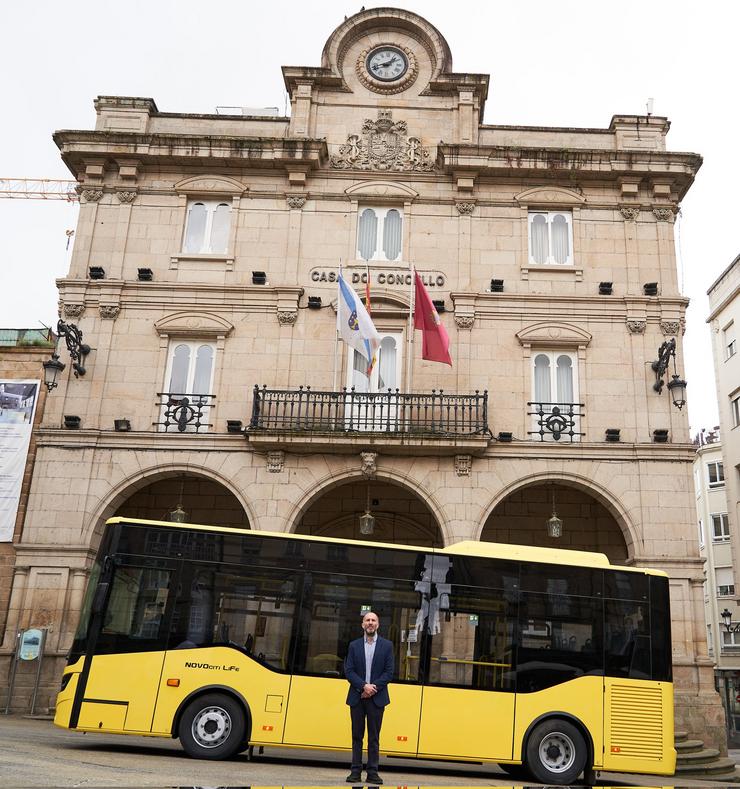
(354, 778)
(373, 779)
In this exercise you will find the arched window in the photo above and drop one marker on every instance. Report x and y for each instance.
(550, 238)
(207, 227)
(555, 386)
(379, 234)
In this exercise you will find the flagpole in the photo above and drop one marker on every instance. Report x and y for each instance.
(336, 335)
(410, 340)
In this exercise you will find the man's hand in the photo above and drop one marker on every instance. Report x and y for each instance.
(368, 690)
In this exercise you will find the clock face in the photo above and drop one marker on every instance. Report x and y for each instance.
(387, 63)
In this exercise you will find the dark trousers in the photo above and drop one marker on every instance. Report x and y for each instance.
(368, 711)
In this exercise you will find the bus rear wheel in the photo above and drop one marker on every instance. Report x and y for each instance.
(212, 727)
(556, 752)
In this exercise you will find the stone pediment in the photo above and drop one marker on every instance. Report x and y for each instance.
(381, 189)
(193, 324)
(550, 196)
(210, 184)
(554, 334)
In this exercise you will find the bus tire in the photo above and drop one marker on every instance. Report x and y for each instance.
(556, 752)
(212, 727)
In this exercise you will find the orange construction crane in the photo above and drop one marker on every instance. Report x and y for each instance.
(38, 189)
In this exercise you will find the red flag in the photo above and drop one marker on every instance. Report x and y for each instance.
(435, 340)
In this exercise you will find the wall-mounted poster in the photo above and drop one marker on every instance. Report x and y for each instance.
(17, 409)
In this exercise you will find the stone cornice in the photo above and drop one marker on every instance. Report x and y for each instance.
(191, 149)
(152, 440)
(525, 161)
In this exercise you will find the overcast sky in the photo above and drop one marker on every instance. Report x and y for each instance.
(551, 64)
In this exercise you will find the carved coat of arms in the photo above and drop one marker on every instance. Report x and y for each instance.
(383, 144)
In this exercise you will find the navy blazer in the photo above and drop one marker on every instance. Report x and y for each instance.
(381, 671)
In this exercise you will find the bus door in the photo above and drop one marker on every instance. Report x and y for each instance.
(317, 714)
(468, 702)
(126, 654)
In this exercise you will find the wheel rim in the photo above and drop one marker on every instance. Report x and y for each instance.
(211, 727)
(557, 752)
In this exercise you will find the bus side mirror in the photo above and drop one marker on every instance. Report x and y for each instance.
(101, 595)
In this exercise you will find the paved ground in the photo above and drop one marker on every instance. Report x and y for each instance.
(35, 753)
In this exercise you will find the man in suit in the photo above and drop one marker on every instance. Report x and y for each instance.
(368, 668)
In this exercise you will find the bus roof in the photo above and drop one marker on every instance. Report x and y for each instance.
(488, 550)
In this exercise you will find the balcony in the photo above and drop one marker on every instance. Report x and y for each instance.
(184, 413)
(556, 421)
(443, 423)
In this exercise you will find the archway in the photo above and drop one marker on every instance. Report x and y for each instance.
(521, 519)
(203, 500)
(401, 516)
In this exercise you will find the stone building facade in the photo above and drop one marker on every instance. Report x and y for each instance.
(205, 266)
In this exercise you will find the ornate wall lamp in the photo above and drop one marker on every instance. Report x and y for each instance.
(77, 352)
(554, 523)
(728, 623)
(676, 386)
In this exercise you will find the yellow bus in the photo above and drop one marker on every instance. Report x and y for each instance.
(550, 663)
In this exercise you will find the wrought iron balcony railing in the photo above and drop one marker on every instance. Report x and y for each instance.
(555, 421)
(185, 413)
(390, 412)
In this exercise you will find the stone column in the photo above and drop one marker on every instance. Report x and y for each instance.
(74, 607)
(15, 607)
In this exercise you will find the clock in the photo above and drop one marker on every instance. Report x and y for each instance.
(387, 68)
(387, 64)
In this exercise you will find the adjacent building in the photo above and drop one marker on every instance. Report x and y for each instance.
(204, 278)
(715, 547)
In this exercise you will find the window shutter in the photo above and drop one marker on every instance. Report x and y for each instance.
(367, 234)
(539, 241)
(560, 246)
(220, 229)
(392, 235)
(180, 366)
(196, 228)
(542, 393)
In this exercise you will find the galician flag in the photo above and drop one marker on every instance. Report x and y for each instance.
(435, 340)
(354, 325)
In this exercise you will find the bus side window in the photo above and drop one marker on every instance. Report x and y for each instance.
(627, 642)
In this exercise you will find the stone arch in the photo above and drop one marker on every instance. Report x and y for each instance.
(382, 19)
(581, 483)
(93, 526)
(330, 482)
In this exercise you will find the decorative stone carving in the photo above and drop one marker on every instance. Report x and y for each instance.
(126, 196)
(630, 213)
(275, 461)
(463, 465)
(663, 214)
(296, 202)
(369, 463)
(91, 195)
(73, 310)
(383, 145)
(636, 326)
(109, 311)
(287, 317)
(464, 321)
(465, 208)
(670, 328)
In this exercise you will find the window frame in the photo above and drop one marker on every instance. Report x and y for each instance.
(718, 466)
(729, 340)
(553, 356)
(206, 247)
(381, 213)
(735, 410)
(724, 524)
(549, 217)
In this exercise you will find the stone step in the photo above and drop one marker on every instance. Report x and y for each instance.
(679, 736)
(715, 767)
(704, 756)
(688, 746)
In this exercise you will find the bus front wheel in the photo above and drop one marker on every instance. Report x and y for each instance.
(556, 752)
(212, 727)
